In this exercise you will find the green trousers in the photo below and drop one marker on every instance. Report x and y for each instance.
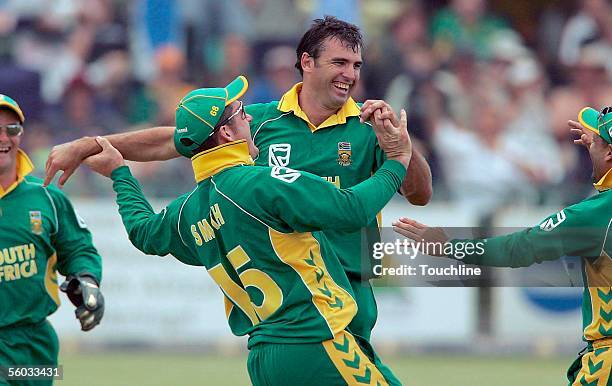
(344, 360)
(33, 344)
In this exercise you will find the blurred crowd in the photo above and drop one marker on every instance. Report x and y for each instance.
(487, 88)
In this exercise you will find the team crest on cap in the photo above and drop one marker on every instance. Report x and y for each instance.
(344, 153)
(36, 222)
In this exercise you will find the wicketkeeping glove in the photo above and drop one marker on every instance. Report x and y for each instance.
(84, 292)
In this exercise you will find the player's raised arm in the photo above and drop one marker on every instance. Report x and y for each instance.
(417, 185)
(152, 233)
(153, 144)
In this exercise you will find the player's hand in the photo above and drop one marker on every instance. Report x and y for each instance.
(67, 157)
(373, 108)
(421, 233)
(107, 160)
(586, 136)
(84, 293)
(394, 139)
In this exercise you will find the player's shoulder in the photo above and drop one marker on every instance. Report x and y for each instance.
(590, 212)
(36, 184)
(262, 109)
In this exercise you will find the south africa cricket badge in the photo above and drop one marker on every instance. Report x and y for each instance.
(36, 222)
(344, 153)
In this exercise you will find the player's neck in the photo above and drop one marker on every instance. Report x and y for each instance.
(316, 112)
(8, 177)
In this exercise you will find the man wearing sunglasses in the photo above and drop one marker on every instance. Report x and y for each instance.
(583, 229)
(40, 234)
(256, 230)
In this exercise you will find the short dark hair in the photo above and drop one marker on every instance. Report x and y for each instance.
(321, 29)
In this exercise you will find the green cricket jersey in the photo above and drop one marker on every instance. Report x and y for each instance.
(256, 231)
(342, 150)
(583, 229)
(40, 234)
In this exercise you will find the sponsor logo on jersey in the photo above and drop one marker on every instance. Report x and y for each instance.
(553, 222)
(279, 154)
(344, 153)
(36, 222)
(285, 174)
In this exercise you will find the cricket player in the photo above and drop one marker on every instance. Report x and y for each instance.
(40, 234)
(256, 230)
(583, 229)
(316, 127)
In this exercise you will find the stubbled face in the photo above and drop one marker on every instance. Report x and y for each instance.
(240, 128)
(334, 74)
(8, 145)
(601, 156)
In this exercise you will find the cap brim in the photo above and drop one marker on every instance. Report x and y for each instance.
(13, 108)
(588, 118)
(236, 89)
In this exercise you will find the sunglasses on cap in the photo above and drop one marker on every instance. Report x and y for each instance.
(239, 110)
(13, 130)
(604, 111)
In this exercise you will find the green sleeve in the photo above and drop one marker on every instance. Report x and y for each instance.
(72, 240)
(309, 203)
(152, 233)
(571, 232)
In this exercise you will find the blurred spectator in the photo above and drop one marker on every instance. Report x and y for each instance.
(279, 76)
(82, 112)
(155, 103)
(464, 24)
(384, 61)
(236, 60)
(480, 177)
(589, 86)
(588, 24)
(529, 126)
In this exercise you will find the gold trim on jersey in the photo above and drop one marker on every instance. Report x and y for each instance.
(24, 167)
(290, 102)
(354, 366)
(605, 183)
(213, 161)
(302, 252)
(51, 279)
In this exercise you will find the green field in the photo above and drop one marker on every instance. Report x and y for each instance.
(131, 369)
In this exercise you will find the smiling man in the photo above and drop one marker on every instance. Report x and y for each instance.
(40, 234)
(315, 127)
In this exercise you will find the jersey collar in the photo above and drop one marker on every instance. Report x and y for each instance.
(213, 161)
(605, 183)
(290, 102)
(24, 167)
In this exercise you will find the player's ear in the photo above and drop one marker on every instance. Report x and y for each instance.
(608, 155)
(226, 134)
(307, 62)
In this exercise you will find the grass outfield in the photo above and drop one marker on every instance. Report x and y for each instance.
(121, 369)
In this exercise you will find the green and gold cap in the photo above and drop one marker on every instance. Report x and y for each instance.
(9, 103)
(198, 113)
(599, 122)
